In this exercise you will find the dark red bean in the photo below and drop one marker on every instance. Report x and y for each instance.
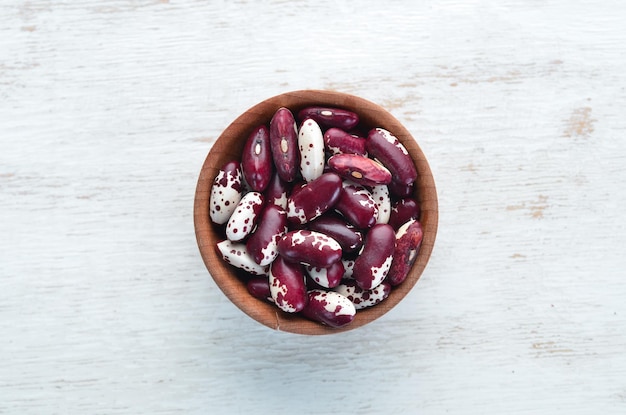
(256, 159)
(385, 147)
(408, 242)
(309, 248)
(399, 190)
(374, 261)
(402, 211)
(359, 169)
(284, 144)
(272, 224)
(337, 228)
(338, 141)
(314, 198)
(288, 286)
(330, 117)
(277, 192)
(259, 287)
(357, 205)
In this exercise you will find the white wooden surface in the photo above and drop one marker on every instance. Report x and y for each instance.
(108, 108)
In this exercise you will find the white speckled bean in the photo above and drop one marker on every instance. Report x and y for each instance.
(244, 218)
(330, 308)
(382, 199)
(226, 192)
(237, 255)
(312, 153)
(363, 298)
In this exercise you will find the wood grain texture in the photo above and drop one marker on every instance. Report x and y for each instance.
(108, 109)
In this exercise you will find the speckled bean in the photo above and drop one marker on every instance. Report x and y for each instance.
(374, 261)
(287, 286)
(309, 248)
(329, 308)
(226, 192)
(408, 242)
(262, 243)
(331, 117)
(244, 218)
(386, 147)
(361, 170)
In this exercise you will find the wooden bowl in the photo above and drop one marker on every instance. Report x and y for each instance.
(229, 147)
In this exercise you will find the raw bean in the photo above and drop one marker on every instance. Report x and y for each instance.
(277, 192)
(337, 228)
(262, 243)
(244, 218)
(256, 159)
(236, 254)
(374, 261)
(331, 117)
(359, 169)
(287, 286)
(259, 287)
(348, 267)
(326, 277)
(402, 211)
(408, 242)
(314, 198)
(380, 193)
(357, 205)
(329, 308)
(284, 144)
(311, 146)
(385, 147)
(309, 248)
(337, 141)
(226, 193)
(363, 298)
(398, 189)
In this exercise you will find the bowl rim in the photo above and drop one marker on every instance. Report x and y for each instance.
(223, 149)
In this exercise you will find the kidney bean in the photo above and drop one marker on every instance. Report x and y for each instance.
(284, 144)
(256, 159)
(331, 117)
(402, 211)
(314, 198)
(338, 141)
(408, 242)
(384, 146)
(259, 287)
(374, 261)
(348, 267)
(359, 169)
(262, 243)
(244, 218)
(226, 192)
(287, 286)
(236, 254)
(309, 248)
(380, 193)
(329, 308)
(326, 277)
(357, 205)
(337, 228)
(277, 192)
(398, 189)
(363, 298)
(311, 147)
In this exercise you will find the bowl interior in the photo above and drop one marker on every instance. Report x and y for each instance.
(229, 146)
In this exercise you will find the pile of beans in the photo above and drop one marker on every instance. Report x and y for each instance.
(320, 218)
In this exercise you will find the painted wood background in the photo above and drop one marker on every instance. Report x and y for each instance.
(108, 109)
